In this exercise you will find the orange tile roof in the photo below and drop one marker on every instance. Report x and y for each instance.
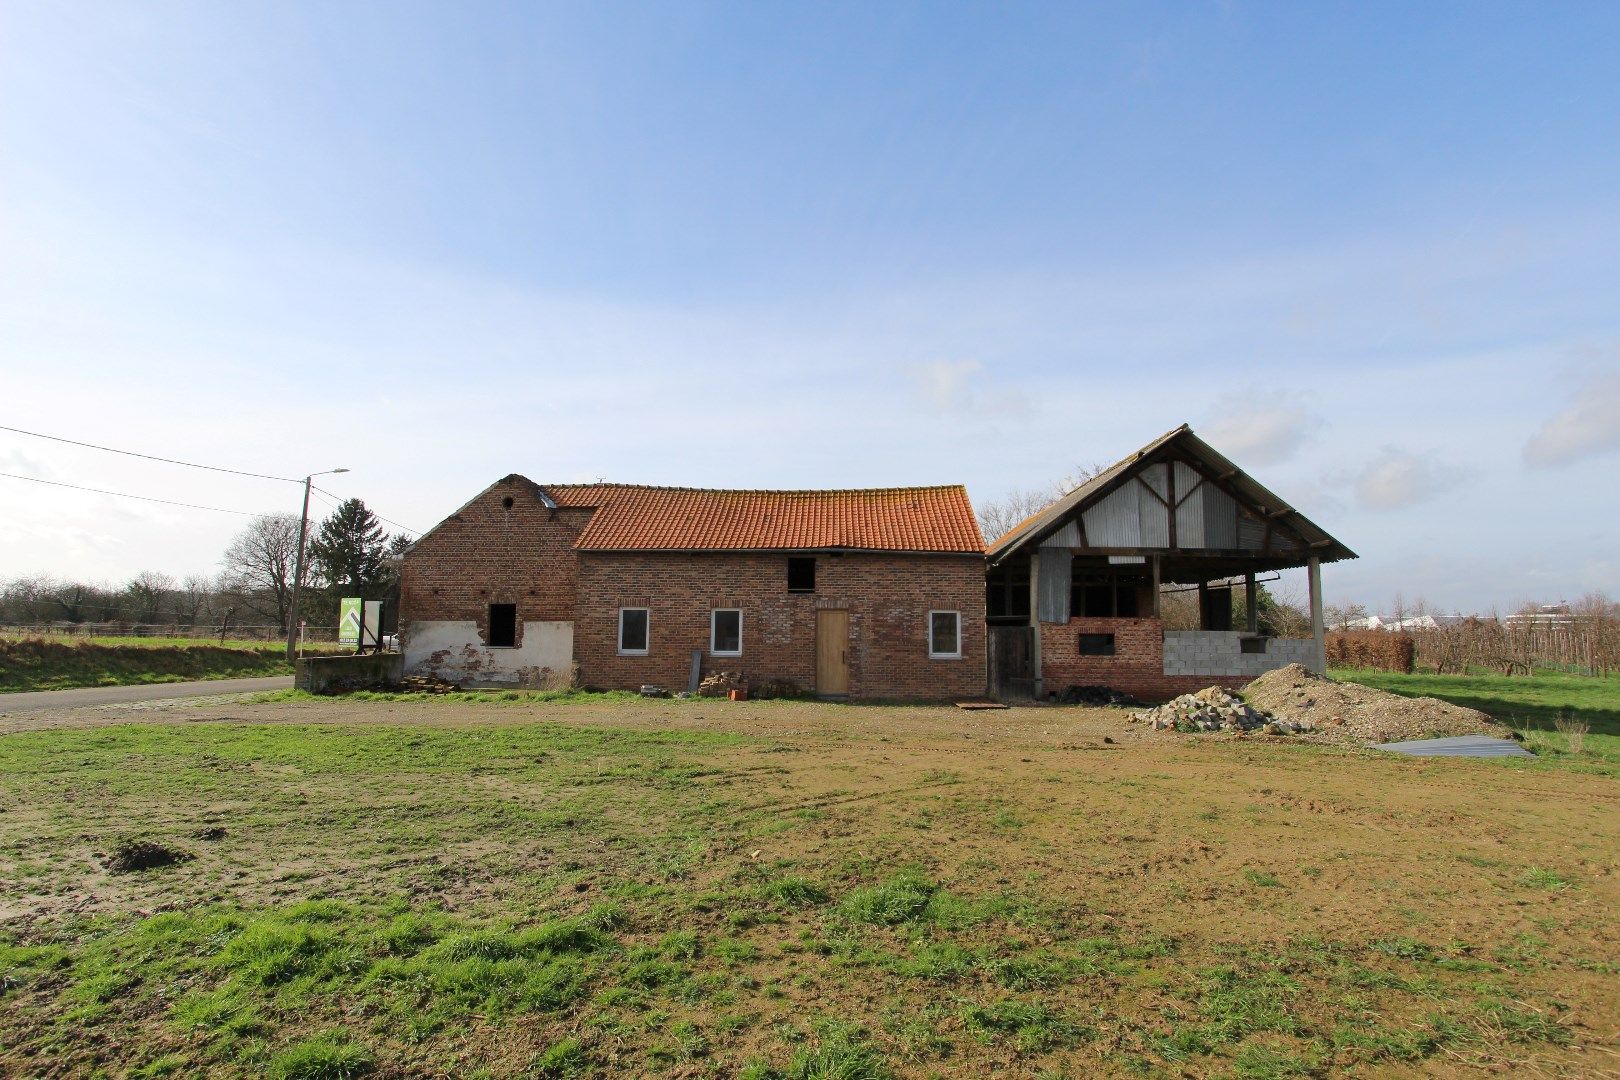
(635, 518)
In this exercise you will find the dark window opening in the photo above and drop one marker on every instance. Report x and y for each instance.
(507, 502)
(502, 626)
(1096, 644)
(1006, 592)
(1252, 644)
(633, 630)
(725, 633)
(801, 574)
(1215, 610)
(1104, 597)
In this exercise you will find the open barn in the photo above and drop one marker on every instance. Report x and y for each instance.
(1073, 593)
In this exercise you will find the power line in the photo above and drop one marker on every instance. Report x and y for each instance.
(173, 461)
(127, 495)
(151, 457)
(379, 517)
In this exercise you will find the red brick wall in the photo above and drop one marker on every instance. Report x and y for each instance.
(487, 553)
(1136, 668)
(888, 598)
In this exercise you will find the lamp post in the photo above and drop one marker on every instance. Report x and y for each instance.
(298, 567)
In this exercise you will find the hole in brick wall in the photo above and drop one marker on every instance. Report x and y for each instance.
(1096, 644)
(502, 626)
(507, 502)
(801, 574)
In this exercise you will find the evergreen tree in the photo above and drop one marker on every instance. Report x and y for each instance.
(347, 553)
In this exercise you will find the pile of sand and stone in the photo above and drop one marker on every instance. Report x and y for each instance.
(1350, 713)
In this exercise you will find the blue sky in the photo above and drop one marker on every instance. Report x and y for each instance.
(1367, 250)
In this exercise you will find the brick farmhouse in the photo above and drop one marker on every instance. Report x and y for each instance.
(864, 593)
(870, 593)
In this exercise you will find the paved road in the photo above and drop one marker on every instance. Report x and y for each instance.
(119, 695)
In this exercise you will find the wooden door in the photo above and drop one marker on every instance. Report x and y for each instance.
(1012, 662)
(832, 651)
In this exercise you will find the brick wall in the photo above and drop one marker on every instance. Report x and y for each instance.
(888, 598)
(1136, 668)
(491, 553)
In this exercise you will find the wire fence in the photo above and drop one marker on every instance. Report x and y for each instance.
(224, 632)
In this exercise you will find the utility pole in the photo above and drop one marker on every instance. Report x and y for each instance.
(298, 566)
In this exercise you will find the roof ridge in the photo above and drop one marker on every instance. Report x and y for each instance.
(758, 491)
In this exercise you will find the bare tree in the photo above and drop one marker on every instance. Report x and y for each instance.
(999, 517)
(148, 593)
(259, 564)
(194, 599)
(1340, 616)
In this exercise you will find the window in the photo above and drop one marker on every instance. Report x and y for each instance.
(1096, 644)
(633, 631)
(801, 574)
(944, 635)
(725, 632)
(502, 626)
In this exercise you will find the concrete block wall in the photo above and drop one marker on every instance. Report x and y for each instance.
(1220, 652)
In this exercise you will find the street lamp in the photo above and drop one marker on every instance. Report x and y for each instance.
(298, 571)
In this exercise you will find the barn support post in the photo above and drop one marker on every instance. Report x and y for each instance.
(1035, 623)
(1157, 572)
(1251, 609)
(1318, 630)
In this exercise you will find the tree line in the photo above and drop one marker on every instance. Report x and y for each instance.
(347, 554)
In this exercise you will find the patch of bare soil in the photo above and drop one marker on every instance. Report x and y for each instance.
(1351, 714)
(133, 855)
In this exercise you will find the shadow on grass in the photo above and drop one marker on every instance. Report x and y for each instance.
(1535, 702)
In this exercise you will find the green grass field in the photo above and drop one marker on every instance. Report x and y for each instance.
(60, 663)
(601, 885)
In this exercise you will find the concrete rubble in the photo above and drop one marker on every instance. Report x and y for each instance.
(1215, 709)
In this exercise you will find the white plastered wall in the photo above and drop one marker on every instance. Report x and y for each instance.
(453, 651)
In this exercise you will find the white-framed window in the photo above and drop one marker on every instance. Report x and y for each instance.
(725, 632)
(944, 635)
(635, 631)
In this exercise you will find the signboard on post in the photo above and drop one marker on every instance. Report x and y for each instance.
(358, 622)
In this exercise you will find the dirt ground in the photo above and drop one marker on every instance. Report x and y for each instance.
(1294, 865)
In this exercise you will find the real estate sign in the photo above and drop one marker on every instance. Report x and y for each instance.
(350, 610)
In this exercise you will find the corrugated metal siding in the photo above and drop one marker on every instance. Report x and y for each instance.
(1458, 746)
(1052, 586)
(1155, 520)
(1220, 518)
(1066, 537)
(1251, 533)
(1190, 512)
(1117, 520)
(1157, 477)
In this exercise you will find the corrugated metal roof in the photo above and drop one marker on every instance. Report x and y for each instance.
(1458, 746)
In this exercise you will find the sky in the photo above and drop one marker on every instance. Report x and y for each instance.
(1368, 251)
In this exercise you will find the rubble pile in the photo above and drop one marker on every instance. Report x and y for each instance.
(1215, 709)
(426, 684)
(1348, 713)
(720, 684)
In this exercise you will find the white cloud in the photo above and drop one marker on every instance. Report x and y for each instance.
(1588, 426)
(1259, 433)
(960, 385)
(1397, 479)
(15, 461)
